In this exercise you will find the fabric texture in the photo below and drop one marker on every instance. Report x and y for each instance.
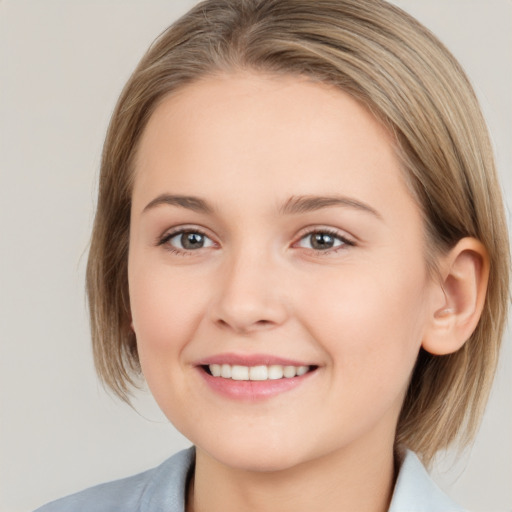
(163, 489)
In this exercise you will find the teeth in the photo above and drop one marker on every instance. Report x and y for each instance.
(301, 370)
(216, 370)
(239, 372)
(225, 371)
(275, 372)
(289, 372)
(261, 372)
(258, 373)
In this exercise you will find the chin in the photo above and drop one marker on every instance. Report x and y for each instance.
(250, 455)
(262, 462)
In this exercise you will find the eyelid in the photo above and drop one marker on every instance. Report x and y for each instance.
(348, 240)
(172, 232)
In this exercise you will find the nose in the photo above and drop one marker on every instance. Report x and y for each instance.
(251, 295)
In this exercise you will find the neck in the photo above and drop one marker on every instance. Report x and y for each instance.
(341, 481)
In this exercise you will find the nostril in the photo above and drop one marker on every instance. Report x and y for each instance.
(244, 327)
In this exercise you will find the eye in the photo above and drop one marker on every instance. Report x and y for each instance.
(323, 241)
(188, 240)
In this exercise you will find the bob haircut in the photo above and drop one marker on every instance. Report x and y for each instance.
(394, 66)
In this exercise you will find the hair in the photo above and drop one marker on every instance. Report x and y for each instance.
(404, 75)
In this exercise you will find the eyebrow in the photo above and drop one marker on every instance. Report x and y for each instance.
(189, 202)
(304, 204)
(294, 205)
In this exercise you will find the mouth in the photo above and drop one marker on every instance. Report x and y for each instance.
(254, 377)
(258, 372)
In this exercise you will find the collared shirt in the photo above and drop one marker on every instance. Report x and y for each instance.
(163, 489)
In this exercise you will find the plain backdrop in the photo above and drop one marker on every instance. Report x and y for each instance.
(62, 66)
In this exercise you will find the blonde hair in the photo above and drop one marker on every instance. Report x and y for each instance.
(392, 64)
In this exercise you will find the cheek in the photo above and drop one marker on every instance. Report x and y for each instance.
(166, 310)
(371, 323)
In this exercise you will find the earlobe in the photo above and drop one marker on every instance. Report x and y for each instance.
(464, 276)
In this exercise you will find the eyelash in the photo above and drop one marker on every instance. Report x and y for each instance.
(168, 236)
(346, 242)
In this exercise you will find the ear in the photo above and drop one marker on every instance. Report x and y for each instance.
(459, 298)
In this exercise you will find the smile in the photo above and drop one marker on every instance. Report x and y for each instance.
(256, 373)
(253, 377)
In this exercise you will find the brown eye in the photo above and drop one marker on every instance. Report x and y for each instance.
(323, 241)
(189, 240)
(192, 240)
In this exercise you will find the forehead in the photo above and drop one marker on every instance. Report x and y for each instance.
(283, 135)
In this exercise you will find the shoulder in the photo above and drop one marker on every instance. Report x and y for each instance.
(415, 490)
(159, 489)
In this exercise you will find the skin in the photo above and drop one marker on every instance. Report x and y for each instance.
(245, 144)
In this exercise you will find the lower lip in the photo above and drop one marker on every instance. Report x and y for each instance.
(251, 390)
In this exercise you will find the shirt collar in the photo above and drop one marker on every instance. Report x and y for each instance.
(416, 491)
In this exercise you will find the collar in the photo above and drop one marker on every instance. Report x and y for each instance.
(414, 491)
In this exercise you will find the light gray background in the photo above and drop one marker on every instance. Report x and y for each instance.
(62, 66)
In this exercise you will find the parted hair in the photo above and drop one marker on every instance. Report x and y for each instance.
(404, 75)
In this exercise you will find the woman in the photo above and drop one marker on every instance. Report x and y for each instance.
(300, 242)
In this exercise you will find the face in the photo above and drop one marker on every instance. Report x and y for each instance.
(277, 277)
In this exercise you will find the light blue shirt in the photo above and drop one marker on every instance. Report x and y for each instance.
(163, 489)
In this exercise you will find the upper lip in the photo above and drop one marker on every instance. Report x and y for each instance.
(250, 360)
